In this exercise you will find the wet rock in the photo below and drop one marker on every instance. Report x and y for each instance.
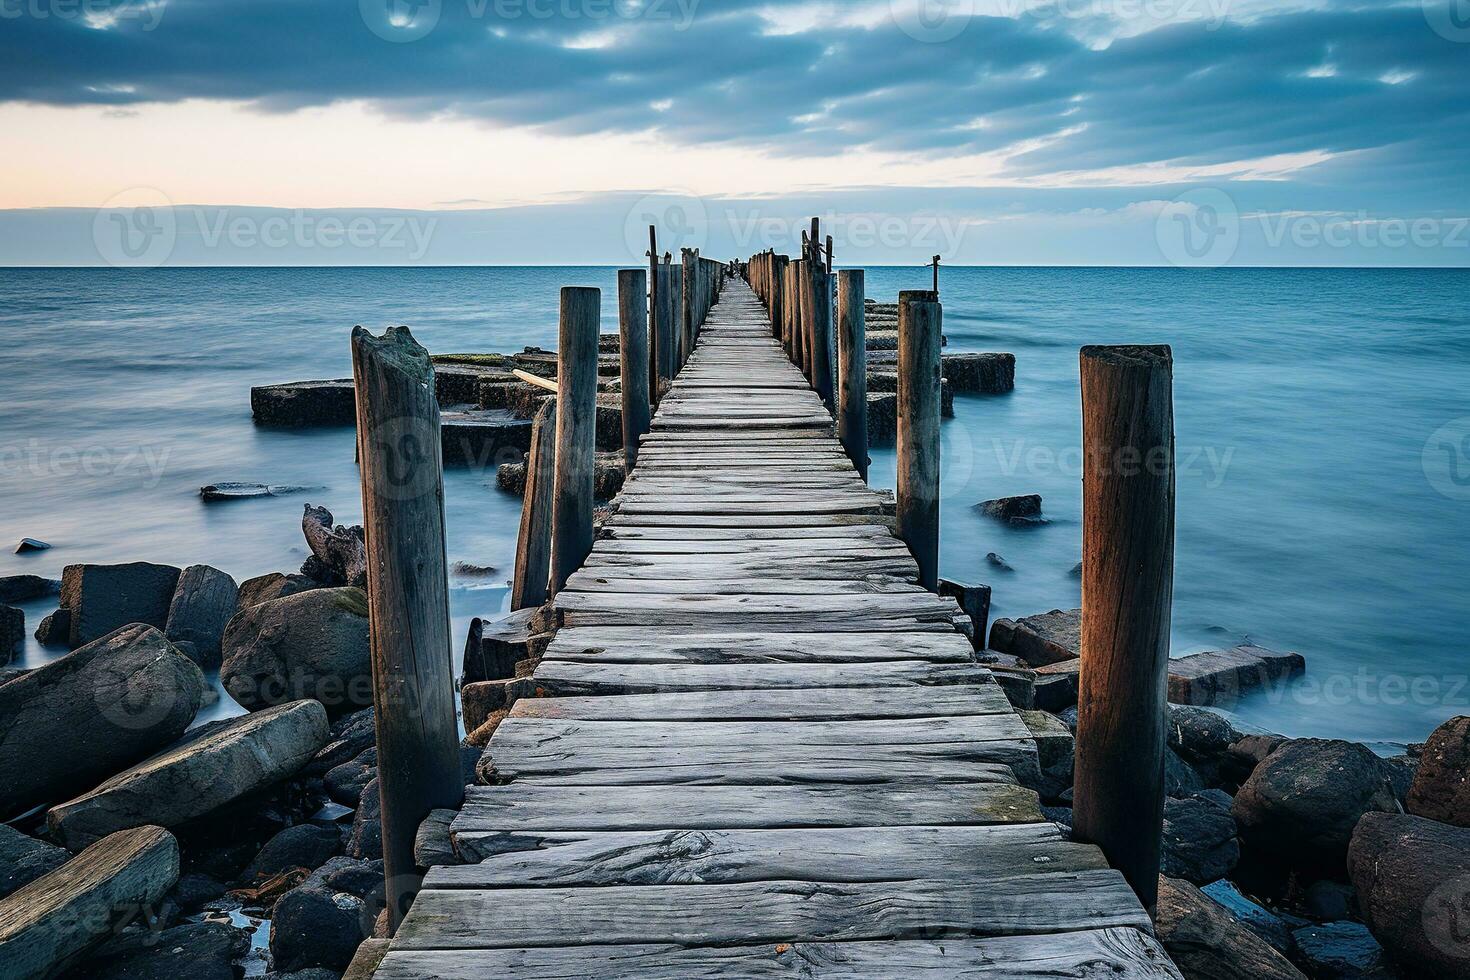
(12, 632)
(1199, 841)
(1057, 685)
(1076, 571)
(1327, 901)
(996, 561)
(350, 735)
(338, 548)
(1049, 638)
(225, 492)
(345, 783)
(1273, 928)
(196, 776)
(194, 951)
(987, 374)
(54, 630)
(1249, 751)
(275, 585)
(320, 923)
(366, 840)
(607, 480)
(1202, 738)
(1024, 511)
(1301, 804)
(23, 859)
(195, 890)
(31, 544)
(432, 847)
(102, 598)
(310, 645)
(301, 403)
(77, 720)
(1181, 780)
(483, 438)
(1441, 785)
(302, 846)
(1221, 677)
(1412, 876)
(974, 601)
(1341, 951)
(203, 603)
(24, 588)
(882, 418)
(493, 650)
(1207, 943)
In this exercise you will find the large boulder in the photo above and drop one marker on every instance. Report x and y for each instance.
(1441, 786)
(1023, 511)
(102, 598)
(274, 585)
(1207, 943)
(1050, 638)
(203, 602)
(1202, 737)
(193, 951)
(1342, 951)
(1301, 804)
(1223, 676)
(24, 588)
(350, 735)
(77, 720)
(987, 373)
(321, 922)
(198, 775)
(310, 645)
(56, 920)
(1199, 840)
(23, 859)
(366, 840)
(1413, 882)
(12, 632)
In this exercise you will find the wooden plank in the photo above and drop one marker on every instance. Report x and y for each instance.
(833, 704)
(922, 605)
(570, 679)
(1118, 954)
(593, 582)
(669, 646)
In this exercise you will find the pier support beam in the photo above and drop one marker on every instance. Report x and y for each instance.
(920, 324)
(852, 372)
(576, 432)
(1127, 594)
(533, 545)
(633, 347)
(399, 454)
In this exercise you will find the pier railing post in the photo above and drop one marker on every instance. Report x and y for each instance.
(653, 301)
(401, 463)
(576, 432)
(633, 346)
(823, 371)
(1127, 594)
(852, 374)
(533, 544)
(920, 324)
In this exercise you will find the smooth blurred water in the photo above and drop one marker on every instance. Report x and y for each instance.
(1309, 404)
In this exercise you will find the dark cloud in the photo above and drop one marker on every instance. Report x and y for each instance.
(715, 72)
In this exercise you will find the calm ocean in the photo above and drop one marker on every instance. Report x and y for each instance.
(1323, 421)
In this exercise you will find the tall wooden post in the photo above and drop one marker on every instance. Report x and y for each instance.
(823, 370)
(576, 432)
(653, 314)
(533, 544)
(798, 323)
(666, 347)
(399, 456)
(829, 255)
(852, 372)
(936, 275)
(675, 359)
(686, 309)
(920, 324)
(1127, 595)
(633, 345)
(774, 306)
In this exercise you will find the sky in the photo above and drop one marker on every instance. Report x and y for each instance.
(1131, 132)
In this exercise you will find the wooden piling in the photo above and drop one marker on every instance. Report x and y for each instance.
(823, 370)
(633, 347)
(576, 432)
(1127, 595)
(533, 544)
(852, 369)
(920, 324)
(653, 314)
(400, 461)
(665, 348)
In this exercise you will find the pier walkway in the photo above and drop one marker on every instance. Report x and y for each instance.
(771, 753)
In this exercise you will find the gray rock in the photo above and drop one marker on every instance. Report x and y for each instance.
(225, 492)
(197, 775)
(300, 403)
(23, 859)
(1181, 780)
(102, 598)
(1271, 927)
(1341, 951)
(302, 846)
(276, 585)
(1049, 638)
(24, 588)
(194, 951)
(432, 846)
(1328, 901)
(203, 603)
(12, 632)
(31, 544)
(345, 783)
(1412, 876)
(195, 890)
(1301, 804)
(1202, 738)
(350, 735)
(1222, 677)
(310, 645)
(1199, 841)
(54, 629)
(1207, 943)
(997, 562)
(1241, 759)
(1023, 511)
(366, 839)
(1055, 750)
(980, 373)
(1441, 785)
(77, 720)
(319, 924)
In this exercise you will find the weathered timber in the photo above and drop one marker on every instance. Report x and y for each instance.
(920, 324)
(576, 430)
(529, 587)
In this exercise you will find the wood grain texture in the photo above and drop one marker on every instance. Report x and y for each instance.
(530, 583)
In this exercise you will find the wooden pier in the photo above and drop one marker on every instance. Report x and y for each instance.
(766, 750)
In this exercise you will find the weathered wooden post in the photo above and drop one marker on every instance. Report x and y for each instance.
(798, 322)
(675, 359)
(533, 544)
(399, 457)
(852, 374)
(686, 309)
(920, 324)
(576, 432)
(774, 305)
(823, 372)
(633, 345)
(936, 275)
(829, 255)
(653, 354)
(1127, 595)
(667, 348)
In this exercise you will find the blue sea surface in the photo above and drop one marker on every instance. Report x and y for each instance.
(1322, 417)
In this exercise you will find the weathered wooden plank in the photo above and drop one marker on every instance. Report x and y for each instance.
(868, 584)
(669, 646)
(568, 678)
(1118, 954)
(834, 704)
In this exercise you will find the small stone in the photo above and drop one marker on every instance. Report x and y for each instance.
(318, 924)
(466, 570)
(195, 890)
(1202, 738)
(1023, 511)
(54, 629)
(31, 544)
(345, 783)
(996, 561)
(366, 841)
(1272, 928)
